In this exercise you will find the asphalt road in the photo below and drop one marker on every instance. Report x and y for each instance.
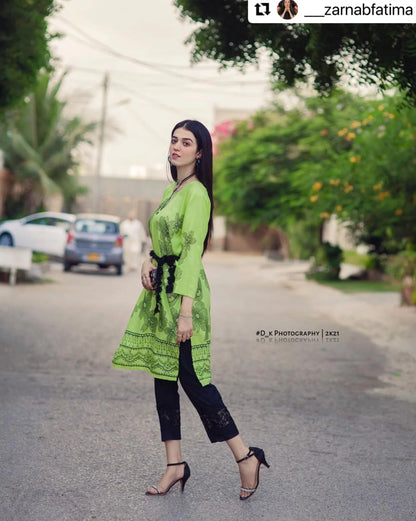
(79, 439)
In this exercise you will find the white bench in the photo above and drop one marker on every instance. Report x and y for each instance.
(15, 259)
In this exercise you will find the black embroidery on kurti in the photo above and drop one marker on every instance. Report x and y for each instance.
(149, 341)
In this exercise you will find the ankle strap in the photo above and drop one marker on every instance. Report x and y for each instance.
(249, 454)
(174, 464)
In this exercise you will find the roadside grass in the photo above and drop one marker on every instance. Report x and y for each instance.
(362, 286)
(355, 258)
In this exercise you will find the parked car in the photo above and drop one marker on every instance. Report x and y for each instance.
(45, 232)
(94, 239)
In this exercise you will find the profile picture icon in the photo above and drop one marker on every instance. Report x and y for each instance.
(287, 9)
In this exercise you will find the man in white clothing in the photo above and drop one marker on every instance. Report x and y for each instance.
(134, 241)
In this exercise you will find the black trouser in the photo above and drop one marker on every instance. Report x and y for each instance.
(215, 417)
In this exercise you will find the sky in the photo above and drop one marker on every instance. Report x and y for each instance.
(145, 99)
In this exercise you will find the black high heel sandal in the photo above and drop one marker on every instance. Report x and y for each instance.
(183, 480)
(259, 453)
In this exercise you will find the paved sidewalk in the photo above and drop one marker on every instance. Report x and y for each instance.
(378, 316)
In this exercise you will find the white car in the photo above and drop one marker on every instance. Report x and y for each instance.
(45, 232)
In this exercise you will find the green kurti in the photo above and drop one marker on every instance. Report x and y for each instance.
(177, 227)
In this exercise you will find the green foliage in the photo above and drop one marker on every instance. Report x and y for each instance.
(40, 145)
(253, 170)
(375, 53)
(303, 237)
(376, 262)
(327, 263)
(362, 286)
(341, 155)
(372, 185)
(403, 267)
(23, 47)
(355, 258)
(38, 258)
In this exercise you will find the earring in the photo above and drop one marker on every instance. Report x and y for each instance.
(198, 162)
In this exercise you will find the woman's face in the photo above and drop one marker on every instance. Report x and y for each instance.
(287, 3)
(183, 150)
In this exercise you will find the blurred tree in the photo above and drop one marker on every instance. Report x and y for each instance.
(375, 53)
(256, 168)
(23, 47)
(341, 155)
(372, 185)
(40, 146)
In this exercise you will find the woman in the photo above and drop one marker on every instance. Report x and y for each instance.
(287, 9)
(169, 332)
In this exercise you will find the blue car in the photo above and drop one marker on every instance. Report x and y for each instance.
(94, 239)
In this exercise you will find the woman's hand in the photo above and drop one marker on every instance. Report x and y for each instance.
(147, 268)
(185, 328)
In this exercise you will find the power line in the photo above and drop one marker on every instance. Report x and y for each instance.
(97, 44)
(105, 48)
(158, 83)
(144, 97)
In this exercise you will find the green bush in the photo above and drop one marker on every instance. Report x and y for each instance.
(403, 267)
(327, 263)
(303, 238)
(39, 257)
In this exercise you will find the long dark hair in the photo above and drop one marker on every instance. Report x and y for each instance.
(203, 170)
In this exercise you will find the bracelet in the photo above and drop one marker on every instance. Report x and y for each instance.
(185, 316)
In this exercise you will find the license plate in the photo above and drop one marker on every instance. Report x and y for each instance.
(93, 257)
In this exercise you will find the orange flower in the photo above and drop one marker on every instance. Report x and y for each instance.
(355, 124)
(338, 208)
(367, 119)
(324, 215)
(324, 132)
(399, 211)
(381, 107)
(382, 195)
(316, 186)
(314, 198)
(342, 132)
(348, 187)
(377, 187)
(350, 136)
(355, 159)
(334, 182)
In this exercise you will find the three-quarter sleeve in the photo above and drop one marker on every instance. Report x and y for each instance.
(194, 230)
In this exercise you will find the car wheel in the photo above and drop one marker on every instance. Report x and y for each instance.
(119, 269)
(67, 266)
(6, 239)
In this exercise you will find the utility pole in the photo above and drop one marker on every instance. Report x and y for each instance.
(97, 178)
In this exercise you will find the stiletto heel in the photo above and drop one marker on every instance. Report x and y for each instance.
(259, 454)
(186, 474)
(182, 480)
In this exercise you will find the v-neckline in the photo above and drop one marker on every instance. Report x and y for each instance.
(167, 201)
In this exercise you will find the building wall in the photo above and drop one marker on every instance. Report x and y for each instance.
(119, 196)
